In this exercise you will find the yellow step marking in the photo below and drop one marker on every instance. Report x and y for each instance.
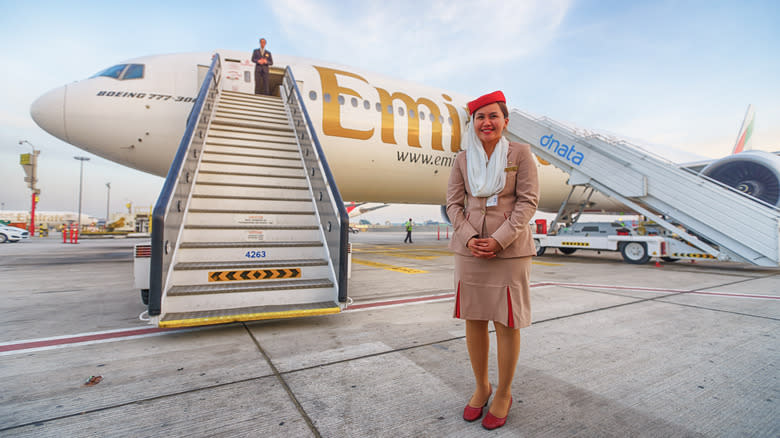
(388, 267)
(192, 322)
(575, 243)
(255, 274)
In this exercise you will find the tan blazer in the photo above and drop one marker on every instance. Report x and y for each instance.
(507, 222)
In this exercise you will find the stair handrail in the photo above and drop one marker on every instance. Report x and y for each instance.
(171, 203)
(330, 207)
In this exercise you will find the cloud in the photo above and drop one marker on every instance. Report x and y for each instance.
(421, 40)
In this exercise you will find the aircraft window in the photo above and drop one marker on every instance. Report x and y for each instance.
(366, 104)
(411, 114)
(247, 77)
(326, 97)
(422, 115)
(449, 119)
(441, 120)
(354, 102)
(341, 100)
(134, 71)
(313, 95)
(378, 107)
(400, 111)
(390, 109)
(111, 72)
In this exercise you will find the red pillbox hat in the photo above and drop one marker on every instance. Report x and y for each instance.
(496, 96)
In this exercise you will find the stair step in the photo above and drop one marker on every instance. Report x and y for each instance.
(240, 272)
(240, 287)
(256, 135)
(240, 113)
(246, 251)
(256, 162)
(252, 107)
(231, 295)
(220, 121)
(236, 217)
(251, 234)
(246, 97)
(256, 264)
(257, 192)
(271, 104)
(251, 96)
(223, 203)
(255, 313)
(280, 152)
(255, 180)
(254, 159)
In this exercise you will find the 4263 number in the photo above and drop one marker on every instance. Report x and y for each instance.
(255, 254)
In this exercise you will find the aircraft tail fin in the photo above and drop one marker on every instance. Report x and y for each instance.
(745, 132)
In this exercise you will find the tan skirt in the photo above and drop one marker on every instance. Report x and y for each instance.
(493, 290)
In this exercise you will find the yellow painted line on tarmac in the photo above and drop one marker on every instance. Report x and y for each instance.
(546, 263)
(388, 267)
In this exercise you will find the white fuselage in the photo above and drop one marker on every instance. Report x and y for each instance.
(385, 140)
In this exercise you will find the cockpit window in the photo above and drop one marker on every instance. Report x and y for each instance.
(111, 72)
(134, 71)
(122, 72)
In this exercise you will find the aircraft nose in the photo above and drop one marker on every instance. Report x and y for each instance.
(48, 111)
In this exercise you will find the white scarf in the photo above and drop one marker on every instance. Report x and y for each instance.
(486, 178)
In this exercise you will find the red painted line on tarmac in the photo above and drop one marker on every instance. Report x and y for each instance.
(416, 300)
(404, 301)
(78, 339)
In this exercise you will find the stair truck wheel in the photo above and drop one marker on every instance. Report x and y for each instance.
(3, 238)
(539, 248)
(635, 253)
(567, 251)
(669, 259)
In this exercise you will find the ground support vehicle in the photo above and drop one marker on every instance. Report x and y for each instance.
(635, 249)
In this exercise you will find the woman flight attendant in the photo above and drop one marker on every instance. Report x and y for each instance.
(491, 197)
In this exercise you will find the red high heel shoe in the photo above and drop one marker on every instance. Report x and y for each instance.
(474, 414)
(491, 422)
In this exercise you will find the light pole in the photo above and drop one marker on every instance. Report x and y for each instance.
(30, 166)
(81, 182)
(108, 200)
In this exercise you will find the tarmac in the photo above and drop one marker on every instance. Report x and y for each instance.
(616, 350)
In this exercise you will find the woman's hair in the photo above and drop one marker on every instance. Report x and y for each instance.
(504, 109)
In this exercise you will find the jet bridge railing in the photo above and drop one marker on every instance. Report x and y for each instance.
(331, 212)
(175, 194)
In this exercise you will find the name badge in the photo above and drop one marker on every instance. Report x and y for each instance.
(511, 169)
(492, 201)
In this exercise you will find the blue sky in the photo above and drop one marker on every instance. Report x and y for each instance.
(679, 73)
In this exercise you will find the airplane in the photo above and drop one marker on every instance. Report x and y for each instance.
(386, 140)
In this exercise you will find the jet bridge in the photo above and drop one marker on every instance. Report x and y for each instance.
(721, 221)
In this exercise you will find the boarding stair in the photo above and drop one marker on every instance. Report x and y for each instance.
(249, 228)
(723, 222)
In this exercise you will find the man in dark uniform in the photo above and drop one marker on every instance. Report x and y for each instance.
(262, 59)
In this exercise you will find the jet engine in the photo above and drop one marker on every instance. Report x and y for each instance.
(754, 173)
